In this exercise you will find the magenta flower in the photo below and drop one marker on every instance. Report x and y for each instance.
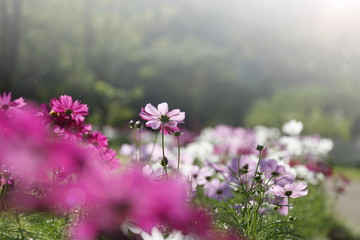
(109, 159)
(98, 140)
(7, 105)
(290, 190)
(66, 106)
(157, 118)
(111, 199)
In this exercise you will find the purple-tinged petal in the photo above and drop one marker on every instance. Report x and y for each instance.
(154, 124)
(151, 110)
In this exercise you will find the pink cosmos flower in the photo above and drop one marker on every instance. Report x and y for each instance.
(98, 140)
(111, 199)
(157, 118)
(66, 106)
(217, 190)
(109, 159)
(275, 171)
(7, 105)
(290, 190)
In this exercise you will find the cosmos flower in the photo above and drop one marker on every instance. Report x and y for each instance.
(67, 107)
(98, 139)
(217, 190)
(275, 171)
(290, 190)
(161, 117)
(10, 106)
(293, 127)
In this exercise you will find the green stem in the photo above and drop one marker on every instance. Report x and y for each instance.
(163, 148)
(256, 169)
(255, 218)
(139, 142)
(19, 225)
(178, 165)
(288, 206)
(135, 145)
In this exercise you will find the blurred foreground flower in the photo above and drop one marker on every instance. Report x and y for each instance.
(10, 106)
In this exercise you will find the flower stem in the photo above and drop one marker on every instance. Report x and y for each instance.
(288, 206)
(163, 149)
(254, 215)
(178, 165)
(135, 145)
(256, 169)
(139, 144)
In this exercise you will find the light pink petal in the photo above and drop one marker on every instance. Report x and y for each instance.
(173, 112)
(163, 108)
(151, 110)
(154, 124)
(300, 186)
(288, 187)
(178, 118)
(145, 116)
(299, 193)
(20, 102)
(277, 190)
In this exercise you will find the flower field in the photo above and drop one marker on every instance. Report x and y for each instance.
(61, 180)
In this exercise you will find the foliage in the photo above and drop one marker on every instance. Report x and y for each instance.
(117, 55)
(330, 115)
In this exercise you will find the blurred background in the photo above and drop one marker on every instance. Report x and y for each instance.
(237, 62)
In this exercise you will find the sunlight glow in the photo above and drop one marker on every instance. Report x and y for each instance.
(337, 14)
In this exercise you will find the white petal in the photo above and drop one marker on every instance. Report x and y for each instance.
(152, 110)
(154, 124)
(163, 108)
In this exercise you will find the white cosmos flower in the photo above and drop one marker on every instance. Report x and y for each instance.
(293, 127)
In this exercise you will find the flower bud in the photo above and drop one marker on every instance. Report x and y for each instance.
(257, 178)
(260, 147)
(177, 133)
(164, 161)
(138, 125)
(131, 124)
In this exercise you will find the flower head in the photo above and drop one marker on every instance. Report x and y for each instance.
(67, 107)
(290, 190)
(7, 105)
(160, 117)
(293, 127)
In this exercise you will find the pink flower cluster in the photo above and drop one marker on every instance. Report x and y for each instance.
(52, 161)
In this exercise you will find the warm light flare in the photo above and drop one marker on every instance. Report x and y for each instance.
(336, 14)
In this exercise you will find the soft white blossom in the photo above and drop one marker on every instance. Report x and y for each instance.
(292, 128)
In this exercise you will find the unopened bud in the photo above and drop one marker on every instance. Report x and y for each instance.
(260, 147)
(164, 161)
(138, 125)
(257, 178)
(177, 133)
(131, 124)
